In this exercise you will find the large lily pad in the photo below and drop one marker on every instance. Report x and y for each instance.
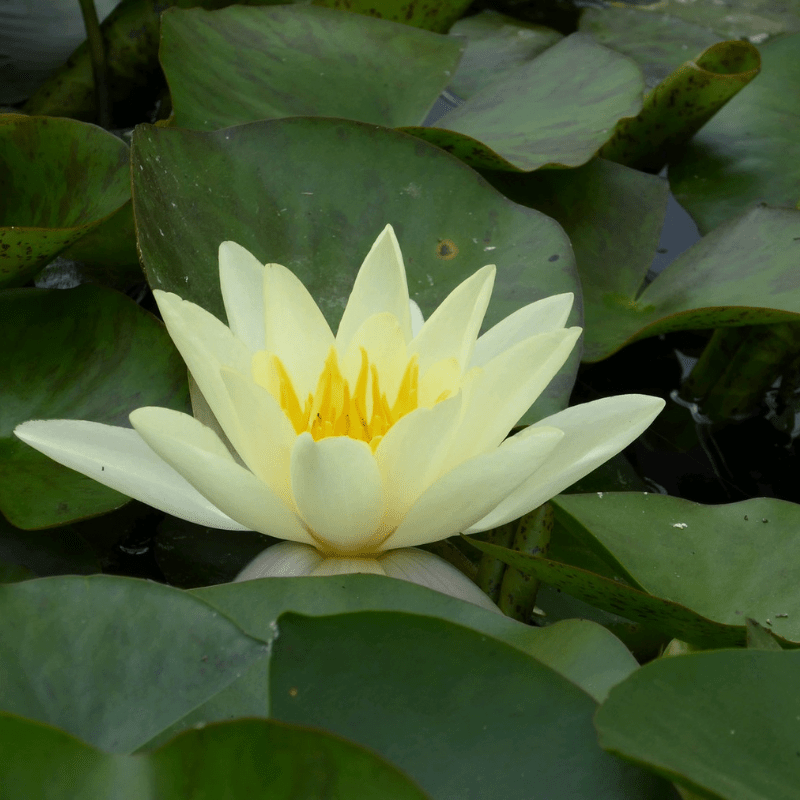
(750, 151)
(726, 563)
(84, 353)
(243, 64)
(61, 178)
(437, 16)
(722, 723)
(316, 205)
(445, 704)
(557, 109)
(114, 660)
(497, 46)
(246, 758)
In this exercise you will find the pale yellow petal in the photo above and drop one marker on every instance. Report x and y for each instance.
(348, 566)
(417, 320)
(241, 279)
(506, 388)
(410, 456)
(593, 433)
(120, 459)
(296, 330)
(426, 569)
(282, 560)
(451, 331)
(206, 345)
(195, 452)
(379, 286)
(544, 315)
(467, 493)
(267, 448)
(338, 491)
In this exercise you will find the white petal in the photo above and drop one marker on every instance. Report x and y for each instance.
(348, 566)
(379, 286)
(120, 459)
(452, 329)
(337, 488)
(506, 388)
(202, 412)
(206, 344)
(435, 573)
(466, 494)
(417, 320)
(267, 445)
(593, 433)
(196, 453)
(283, 560)
(411, 454)
(241, 278)
(543, 316)
(296, 330)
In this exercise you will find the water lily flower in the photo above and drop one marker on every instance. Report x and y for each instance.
(357, 447)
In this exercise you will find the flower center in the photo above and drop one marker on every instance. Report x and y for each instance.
(335, 409)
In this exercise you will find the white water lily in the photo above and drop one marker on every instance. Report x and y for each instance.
(358, 447)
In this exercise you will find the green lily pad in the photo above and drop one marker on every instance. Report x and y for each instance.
(496, 46)
(726, 562)
(61, 178)
(243, 64)
(659, 43)
(247, 758)
(557, 109)
(750, 151)
(681, 104)
(721, 723)
(114, 660)
(85, 353)
(437, 16)
(444, 704)
(317, 206)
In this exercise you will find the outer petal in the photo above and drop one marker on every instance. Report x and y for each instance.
(206, 344)
(380, 286)
(466, 494)
(593, 433)
(283, 560)
(429, 570)
(241, 278)
(417, 320)
(348, 566)
(196, 453)
(120, 459)
(543, 316)
(505, 389)
(452, 329)
(337, 488)
(411, 454)
(267, 448)
(296, 330)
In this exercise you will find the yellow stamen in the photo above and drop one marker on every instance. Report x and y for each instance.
(334, 409)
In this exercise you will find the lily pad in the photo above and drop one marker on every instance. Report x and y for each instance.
(243, 64)
(437, 16)
(557, 109)
(726, 562)
(723, 723)
(450, 703)
(61, 179)
(246, 758)
(114, 660)
(316, 207)
(496, 46)
(85, 353)
(750, 151)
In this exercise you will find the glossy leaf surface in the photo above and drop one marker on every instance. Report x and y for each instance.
(317, 206)
(60, 179)
(85, 353)
(243, 64)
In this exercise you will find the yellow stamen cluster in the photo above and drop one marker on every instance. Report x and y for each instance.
(336, 410)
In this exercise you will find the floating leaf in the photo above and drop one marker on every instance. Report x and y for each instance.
(718, 722)
(316, 206)
(437, 16)
(61, 179)
(244, 64)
